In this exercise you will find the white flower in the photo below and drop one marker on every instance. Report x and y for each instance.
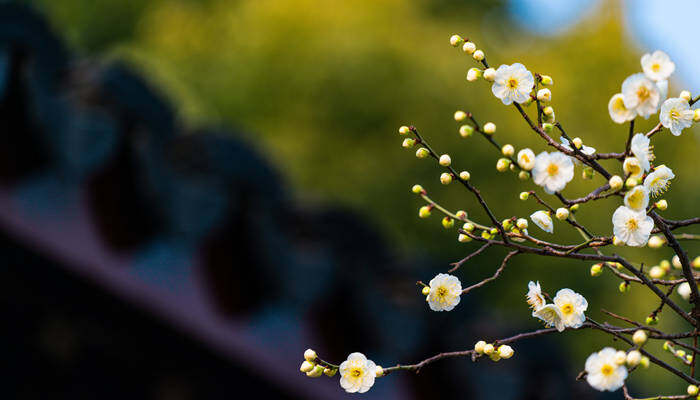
(642, 150)
(551, 316)
(684, 290)
(526, 159)
(641, 95)
(657, 182)
(603, 373)
(543, 220)
(676, 115)
(444, 293)
(357, 373)
(571, 306)
(657, 66)
(618, 112)
(534, 296)
(637, 198)
(553, 171)
(633, 167)
(513, 83)
(632, 227)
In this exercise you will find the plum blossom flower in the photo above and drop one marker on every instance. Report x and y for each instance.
(357, 373)
(571, 306)
(641, 95)
(444, 293)
(551, 316)
(676, 115)
(618, 112)
(513, 83)
(633, 167)
(657, 182)
(603, 372)
(553, 171)
(526, 159)
(637, 198)
(632, 227)
(642, 150)
(657, 66)
(543, 220)
(534, 296)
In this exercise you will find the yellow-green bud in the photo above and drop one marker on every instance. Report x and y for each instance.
(424, 212)
(408, 143)
(624, 287)
(425, 290)
(587, 173)
(486, 235)
(460, 116)
(473, 74)
(489, 128)
(488, 348)
(508, 150)
(662, 204)
(462, 238)
(309, 355)
(665, 264)
(378, 371)
(404, 130)
(562, 213)
(493, 231)
(448, 222)
(547, 127)
(521, 223)
(615, 183)
(466, 130)
(306, 366)
(696, 115)
(639, 337)
(696, 262)
(548, 111)
(577, 142)
(455, 40)
(417, 189)
(461, 214)
(676, 262)
(523, 175)
(445, 160)
(657, 272)
(469, 47)
(445, 178)
(685, 95)
(507, 224)
(316, 372)
(502, 164)
(692, 390)
(644, 362)
(546, 80)
(652, 320)
(330, 372)
(469, 227)
(596, 269)
(631, 182)
(478, 55)
(574, 208)
(465, 175)
(666, 346)
(680, 353)
(655, 242)
(422, 152)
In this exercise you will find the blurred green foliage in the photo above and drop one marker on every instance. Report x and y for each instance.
(323, 86)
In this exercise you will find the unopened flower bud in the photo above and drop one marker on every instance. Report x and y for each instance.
(684, 291)
(404, 130)
(587, 173)
(461, 214)
(502, 164)
(615, 183)
(465, 175)
(378, 371)
(462, 238)
(507, 224)
(634, 357)
(574, 208)
(652, 320)
(662, 204)
(445, 178)
(316, 372)
(469, 47)
(676, 262)
(424, 212)
(562, 213)
(685, 95)
(478, 55)
(680, 353)
(631, 182)
(617, 241)
(306, 366)
(548, 111)
(624, 287)
(488, 348)
(692, 390)
(521, 223)
(547, 127)
(408, 143)
(469, 227)
(696, 115)
(523, 175)
(330, 372)
(495, 357)
(489, 128)
(473, 74)
(455, 40)
(639, 337)
(696, 262)
(490, 74)
(417, 189)
(544, 95)
(505, 351)
(448, 222)
(644, 362)
(666, 346)
(620, 357)
(445, 160)
(425, 290)
(486, 235)
(508, 150)
(665, 264)
(479, 346)
(466, 130)
(460, 116)
(656, 242)
(546, 80)
(309, 355)
(422, 152)
(524, 196)
(596, 269)
(657, 272)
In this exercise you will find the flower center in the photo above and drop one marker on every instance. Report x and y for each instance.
(512, 83)
(567, 308)
(631, 224)
(655, 67)
(442, 291)
(619, 105)
(552, 169)
(674, 114)
(607, 369)
(643, 93)
(356, 372)
(525, 158)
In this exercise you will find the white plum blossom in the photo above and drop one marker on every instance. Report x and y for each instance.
(444, 293)
(571, 307)
(641, 95)
(632, 227)
(534, 296)
(657, 182)
(642, 150)
(637, 198)
(543, 220)
(551, 316)
(357, 373)
(676, 115)
(633, 167)
(526, 159)
(603, 372)
(618, 112)
(553, 171)
(684, 290)
(513, 83)
(657, 66)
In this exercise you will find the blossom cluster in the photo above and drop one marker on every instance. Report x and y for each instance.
(567, 309)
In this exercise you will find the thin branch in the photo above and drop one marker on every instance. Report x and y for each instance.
(494, 276)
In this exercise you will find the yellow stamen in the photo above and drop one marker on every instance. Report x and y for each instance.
(552, 169)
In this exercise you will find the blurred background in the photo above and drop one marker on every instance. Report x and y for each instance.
(194, 192)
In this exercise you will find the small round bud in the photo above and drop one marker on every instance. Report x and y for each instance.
(424, 212)
(445, 160)
(657, 272)
(488, 348)
(676, 262)
(652, 320)
(473, 74)
(448, 223)
(587, 173)
(309, 355)
(624, 287)
(378, 371)
(639, 337)
(577, 142)
(422, 152)
(489, 128)
(596, 269)
(666, 346)
(479, 346)
(685, 95)
(478, 55)
(548, 111)
(455, 40)
(404, 130)
(656, 242)
(330, 372)
(445, 178)
(495, 357)
(460, 116)
(417, 189)
(631, 182)
(661, 204)
(490, 74)
(523, 175)
(316, 372)
(493, 231)
(615, 183)
(524, 196)
(620, 357)
(696, 262)
(465, 175)
(634, 357)
(469, 227)
(665, 264)
(466, 130)
(684, 291)
(502, 164)
(507, 224)
(425, 290)
(521, 223)
(505, 351)
(306, 366)
(508, 150)
(680, 353)
(546, 80)
(562, 213)
(644, 362)
(461, 214)
(469, 47)
(544, 95)
(486, 235)
(617, 241)
(692, 390)
(696, 115)
(462, 238)
(547, 127)
(408, 143)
